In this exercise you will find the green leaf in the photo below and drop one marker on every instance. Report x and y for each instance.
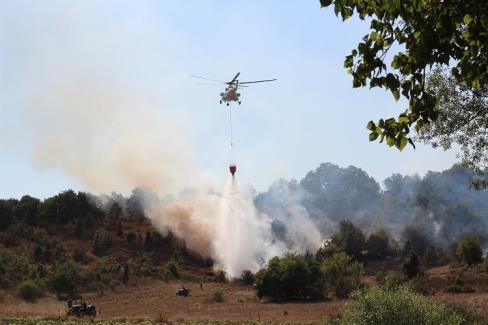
(390, 140)
(403, 119)
(373, 36)
(373, 136)
(401, 141)
(396, 93)
(371, 126)
(467, 19)
(325, 3)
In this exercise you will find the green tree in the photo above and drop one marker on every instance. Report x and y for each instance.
(27, 210)
(378, 245)
(7, 215)
(469, 250)
(327, 250)
(422, 33)
(349, 239)
(290, 277)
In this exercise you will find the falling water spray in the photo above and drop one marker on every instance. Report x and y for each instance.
(240, 237)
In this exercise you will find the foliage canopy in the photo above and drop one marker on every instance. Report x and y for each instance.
(422, 33)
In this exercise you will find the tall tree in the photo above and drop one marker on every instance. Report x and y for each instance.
(421, 34)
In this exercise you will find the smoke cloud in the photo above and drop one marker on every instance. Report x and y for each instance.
(87, 93)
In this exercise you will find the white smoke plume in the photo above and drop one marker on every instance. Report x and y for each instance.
(230, 230)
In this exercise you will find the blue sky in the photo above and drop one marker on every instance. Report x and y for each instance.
(147, 49)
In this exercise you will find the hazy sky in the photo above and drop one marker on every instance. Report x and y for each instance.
(142, 52)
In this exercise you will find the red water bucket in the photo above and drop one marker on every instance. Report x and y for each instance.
(233, 169)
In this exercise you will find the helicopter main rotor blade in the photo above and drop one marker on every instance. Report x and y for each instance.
(234, 79)
(198, 77)
(253, 82)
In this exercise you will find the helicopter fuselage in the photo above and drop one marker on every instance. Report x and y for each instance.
(230, 95)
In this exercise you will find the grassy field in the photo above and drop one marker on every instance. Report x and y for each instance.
(157, 300)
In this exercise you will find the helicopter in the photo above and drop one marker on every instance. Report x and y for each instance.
(230, 93)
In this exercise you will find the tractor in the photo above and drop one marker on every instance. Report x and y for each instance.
(185, 292)
(80, 308)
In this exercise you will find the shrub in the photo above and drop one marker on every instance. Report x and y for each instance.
(400, 306)
(411, 265)
(393, 281)
(172, 268)
(469, 250)
(221, 276)
(12, 268)
(290, 277)
(247, 277)
(218, 296)
(29, 291)
(338, 266)
(65, 279)
(102, 242)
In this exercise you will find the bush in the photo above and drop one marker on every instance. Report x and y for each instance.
(290, 277)
(218, 296)
(221, 276)
(469, 250)
(400, 306)
(65, 279)
(172, 268)
(13, 268)
(102, 242)
(29, 291)
(247, 277)
(411, 265)
(337, 268)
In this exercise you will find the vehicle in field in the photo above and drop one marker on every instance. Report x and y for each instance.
(185, 292)
(80, 308)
